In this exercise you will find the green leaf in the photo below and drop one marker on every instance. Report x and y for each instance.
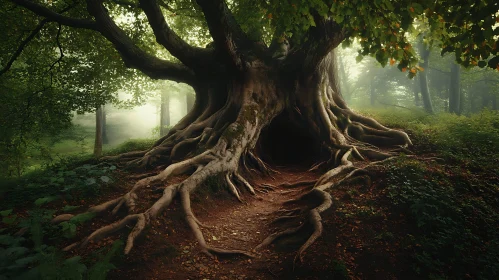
(359, 58)
(105, 179)
(8, 240)
(90, 181)
(45, 200)
(68, 229)
(9, 220)
(15, 252)
(5, 213)
(72, 260)
(28, 260)
(69, 208)
(82, 218)
(418, 9)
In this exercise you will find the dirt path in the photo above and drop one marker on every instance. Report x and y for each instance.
(168, 250)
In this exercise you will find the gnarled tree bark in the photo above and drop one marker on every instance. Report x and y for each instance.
(241, 88)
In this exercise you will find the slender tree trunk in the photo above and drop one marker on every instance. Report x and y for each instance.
(415, 88)
(346, 90)
(494, 102)
(423, 80)
(472, 101)
(373, 91)
(165, 113)
(485, 99)
(98, 132)
(455, 89)
(105, 139)
(189, 100)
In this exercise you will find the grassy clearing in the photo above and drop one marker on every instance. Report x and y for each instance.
(469, 140)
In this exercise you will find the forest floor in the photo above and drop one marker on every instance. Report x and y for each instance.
(168, 254)
(352, 246)
(434, 214)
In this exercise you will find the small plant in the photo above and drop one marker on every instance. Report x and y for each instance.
(339, 270)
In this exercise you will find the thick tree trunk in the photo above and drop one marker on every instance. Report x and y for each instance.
(164, 123)
(423, 79)
(98, 132)
(455, 89)
(242, 118)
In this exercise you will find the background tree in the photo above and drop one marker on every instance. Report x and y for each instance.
(424, 52)
(455, 89)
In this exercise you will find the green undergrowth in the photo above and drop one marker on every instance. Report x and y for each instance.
(448, 195)
(131, 145)
(453, 219)
(29, 243)
(472, 141)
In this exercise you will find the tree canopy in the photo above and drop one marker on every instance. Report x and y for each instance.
(183, 28)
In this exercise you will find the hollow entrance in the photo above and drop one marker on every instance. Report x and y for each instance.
(287, 143)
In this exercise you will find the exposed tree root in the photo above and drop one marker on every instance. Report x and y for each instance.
(206, 164)
(312, 216)
(221, 159)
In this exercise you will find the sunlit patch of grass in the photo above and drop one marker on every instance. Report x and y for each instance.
(471, 140)
(131, 145)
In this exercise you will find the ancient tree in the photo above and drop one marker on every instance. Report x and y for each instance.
(270, 63)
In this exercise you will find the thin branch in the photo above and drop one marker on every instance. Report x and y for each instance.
(54, 16)
(187, 54)
(23, 44)
(61, 53)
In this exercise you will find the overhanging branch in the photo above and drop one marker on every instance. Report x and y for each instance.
(53, 16)
(133, 56)
(187, 54)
